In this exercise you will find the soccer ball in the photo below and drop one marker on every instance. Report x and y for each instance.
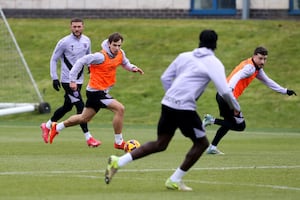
(130, 145)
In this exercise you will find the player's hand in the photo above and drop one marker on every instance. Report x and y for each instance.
(73, 86)
(291, 92)
(239, 118)
(56, 84)
(136, 69)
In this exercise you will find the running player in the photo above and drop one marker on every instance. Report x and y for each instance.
(103, 68)
(238, 81)
(68, 50)
(184, 82)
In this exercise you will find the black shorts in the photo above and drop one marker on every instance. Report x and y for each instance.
(228, 114)
(225, 110)
(72, 96)
(187, 121)
(97, 99)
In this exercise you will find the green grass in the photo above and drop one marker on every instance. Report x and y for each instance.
(260, 163)
(257, 165)
(153, 44)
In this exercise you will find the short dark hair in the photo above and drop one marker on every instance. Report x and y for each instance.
(208, 39)
(76, 20)
(115, 37)
(260, 50)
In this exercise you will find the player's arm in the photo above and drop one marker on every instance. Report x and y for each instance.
(219, 79)
(245, 72)
(263, 77)
(57, 53)
(169, 75)
(86, 60)
(89, 50)
(128, 66)
(217, 75)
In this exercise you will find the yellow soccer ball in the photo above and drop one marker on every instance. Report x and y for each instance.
(131, 145)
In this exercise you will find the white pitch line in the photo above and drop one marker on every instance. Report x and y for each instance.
(80, 172)
(145, 170)
(247, 185)
(281, 187)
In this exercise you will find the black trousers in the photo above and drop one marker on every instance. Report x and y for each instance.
(227, 123)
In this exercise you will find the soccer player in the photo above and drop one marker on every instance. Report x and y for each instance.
(184, 81)
(238, 81)
(68, 50)
(103, 67)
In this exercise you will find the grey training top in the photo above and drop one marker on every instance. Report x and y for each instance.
(189, 74)
(68, 50)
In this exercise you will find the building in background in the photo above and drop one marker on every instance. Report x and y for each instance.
(172, 9)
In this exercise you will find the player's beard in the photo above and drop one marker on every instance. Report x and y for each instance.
(77, 34)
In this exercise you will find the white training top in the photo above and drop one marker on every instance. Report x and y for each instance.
(69, 49)
(189, 74)
(248, 70)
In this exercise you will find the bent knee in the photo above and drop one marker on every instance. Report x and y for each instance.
(241, 127)
(84, 119)
(203, 142)
(120, 111)
(160, 146)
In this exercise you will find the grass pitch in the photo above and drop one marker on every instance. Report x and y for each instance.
(152, 45)
(257, 165)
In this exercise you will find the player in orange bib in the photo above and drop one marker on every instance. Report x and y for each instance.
(238, 80)
(103, 66)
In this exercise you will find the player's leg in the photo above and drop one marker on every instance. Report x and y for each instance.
(165, 132)
(91, 109)
(86, 115)
(61, 111)
(227, 113)
(79, 104)
(226, 124)
(167, 125)
(58, 114)
(69, 99)
(151, 147)
(118, 109)
(90, 140)
(175, 181)
(191, 126)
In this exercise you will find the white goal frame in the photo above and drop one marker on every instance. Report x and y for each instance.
(7, 108)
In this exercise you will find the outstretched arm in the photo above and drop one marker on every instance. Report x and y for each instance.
(95, 58)
(217, 75)
(290, 92)
(137, 69)
(128, 66)
(262, 76)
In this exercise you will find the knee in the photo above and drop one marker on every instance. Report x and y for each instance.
(67, 108)
(241, 127)
(204, 142)
(83, 119)
(120, 109)
(79, 107)
(160, 146)
(199, 146)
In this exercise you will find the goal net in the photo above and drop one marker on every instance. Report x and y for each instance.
(18, 90)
